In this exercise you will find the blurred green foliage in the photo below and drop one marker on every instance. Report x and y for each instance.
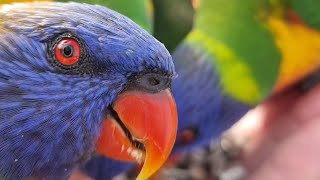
(137, 10)
(172, 21)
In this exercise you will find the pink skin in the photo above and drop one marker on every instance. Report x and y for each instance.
(280, 139)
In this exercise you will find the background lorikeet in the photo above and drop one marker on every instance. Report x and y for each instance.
(72, 76)
(260, 47)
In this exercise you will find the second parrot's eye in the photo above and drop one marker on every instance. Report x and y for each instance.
(187, 136)
(67, 51)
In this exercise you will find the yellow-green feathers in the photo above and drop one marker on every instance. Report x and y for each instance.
(245, 54)
(258, 46)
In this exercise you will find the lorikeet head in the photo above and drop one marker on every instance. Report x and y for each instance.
(75, 78)
(204, 111)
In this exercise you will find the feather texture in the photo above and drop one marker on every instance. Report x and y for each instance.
(50, 116)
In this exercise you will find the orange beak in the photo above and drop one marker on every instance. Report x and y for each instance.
(142, 127)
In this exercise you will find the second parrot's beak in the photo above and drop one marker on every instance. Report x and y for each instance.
(141, 127)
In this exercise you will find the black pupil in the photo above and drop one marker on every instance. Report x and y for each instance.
(68, 51)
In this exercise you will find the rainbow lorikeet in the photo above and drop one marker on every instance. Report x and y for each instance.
(78, 79)
(255, 49)
(238, 54)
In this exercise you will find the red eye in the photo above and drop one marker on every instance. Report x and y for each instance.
(187, 136)
(67, 51)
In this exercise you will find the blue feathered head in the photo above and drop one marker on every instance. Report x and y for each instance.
(68, 73)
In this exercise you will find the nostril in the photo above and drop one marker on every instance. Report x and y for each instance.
(153, 81)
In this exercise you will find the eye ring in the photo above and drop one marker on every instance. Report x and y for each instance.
(67, 51)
